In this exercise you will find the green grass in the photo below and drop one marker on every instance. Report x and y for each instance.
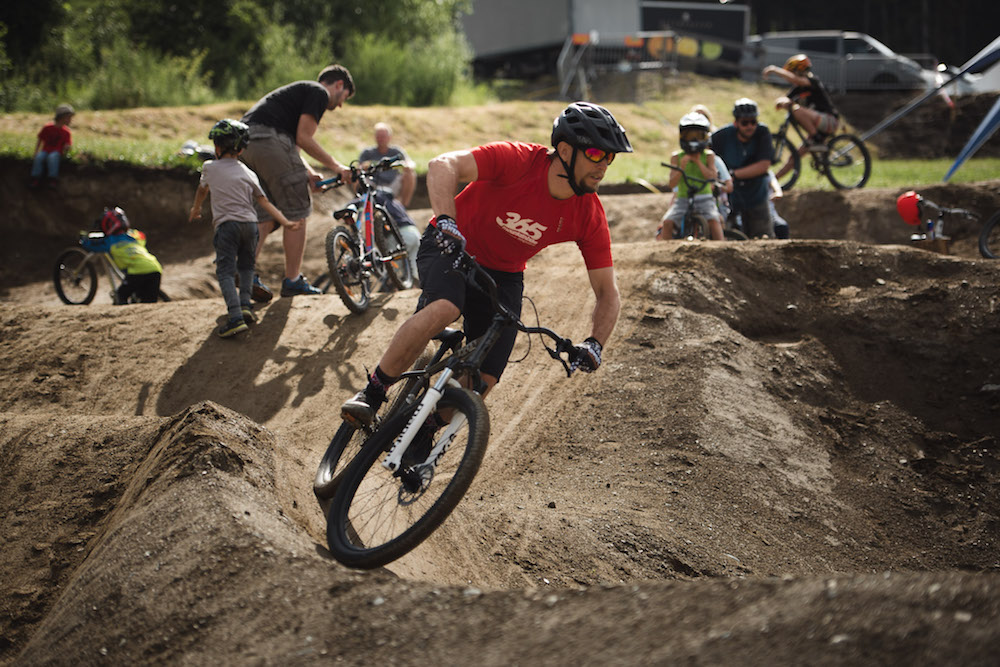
(885, 173)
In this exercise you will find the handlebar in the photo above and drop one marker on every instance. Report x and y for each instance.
(467, 265)
(931, 208)
(688, 178)
(362, 174)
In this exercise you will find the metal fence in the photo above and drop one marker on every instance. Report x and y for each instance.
(585, 56)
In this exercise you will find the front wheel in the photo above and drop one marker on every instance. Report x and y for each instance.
(787, 162)
(347, 272)
(347, 441)
(848, 163)
(393, 249)
(989, 238)
(378, 515)
(75, 277)
(693, 228)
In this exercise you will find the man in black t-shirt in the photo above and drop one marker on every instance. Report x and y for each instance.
(283, 123)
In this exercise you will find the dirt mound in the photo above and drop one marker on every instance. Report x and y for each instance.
(790, 454)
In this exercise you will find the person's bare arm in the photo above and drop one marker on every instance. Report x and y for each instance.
(751, 170)
(444, 173)
(408, 185)
(276, 214)
(608, 304)
(199, 199)
(305, 138)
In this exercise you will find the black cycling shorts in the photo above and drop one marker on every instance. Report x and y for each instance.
(439, 281)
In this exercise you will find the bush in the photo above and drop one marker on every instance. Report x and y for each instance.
(138, 77)
(418, 73)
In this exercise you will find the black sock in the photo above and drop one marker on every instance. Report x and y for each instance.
(378, 384)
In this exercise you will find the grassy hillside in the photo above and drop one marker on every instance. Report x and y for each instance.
(153, 135)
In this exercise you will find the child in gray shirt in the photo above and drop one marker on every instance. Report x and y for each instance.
(235, 188)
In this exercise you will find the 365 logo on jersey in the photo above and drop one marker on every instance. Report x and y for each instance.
(524, 229)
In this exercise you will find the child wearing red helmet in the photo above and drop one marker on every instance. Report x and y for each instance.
(127, 248)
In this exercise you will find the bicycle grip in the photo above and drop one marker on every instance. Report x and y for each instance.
(332, 182)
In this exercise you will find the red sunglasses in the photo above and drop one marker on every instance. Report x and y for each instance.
(595, 155)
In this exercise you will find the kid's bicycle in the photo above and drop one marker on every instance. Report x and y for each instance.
(842, 158)
(386, 488)
(929, 219)
(368, 249)
(75, 275)
(694, 225)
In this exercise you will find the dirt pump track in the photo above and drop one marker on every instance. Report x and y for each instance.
(790, 456)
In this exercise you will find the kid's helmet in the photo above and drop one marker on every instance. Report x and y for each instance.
(583, 125)
(114, 221)
(798, 63)
(908, 205)
(694, 132)
(745, 108)
(230, 134)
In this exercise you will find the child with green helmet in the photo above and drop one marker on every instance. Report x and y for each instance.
(235, 188)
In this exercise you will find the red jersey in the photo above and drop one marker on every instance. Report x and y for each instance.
(55, 138)
(508, 215)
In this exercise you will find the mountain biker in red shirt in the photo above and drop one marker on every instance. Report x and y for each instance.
(519, 199)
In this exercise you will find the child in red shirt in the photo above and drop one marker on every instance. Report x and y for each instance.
(53, 140)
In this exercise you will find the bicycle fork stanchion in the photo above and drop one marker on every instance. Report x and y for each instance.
(427, 405)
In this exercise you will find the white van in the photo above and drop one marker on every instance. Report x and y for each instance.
(842, 60)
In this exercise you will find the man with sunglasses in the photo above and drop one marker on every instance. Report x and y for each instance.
(519, 199)
(745, 145)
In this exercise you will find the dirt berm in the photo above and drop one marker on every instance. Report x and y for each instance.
(790, 456)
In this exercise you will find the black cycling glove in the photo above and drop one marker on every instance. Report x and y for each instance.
(449, 239)
(587, 356)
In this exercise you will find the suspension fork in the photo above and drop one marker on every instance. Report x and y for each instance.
(426, 406)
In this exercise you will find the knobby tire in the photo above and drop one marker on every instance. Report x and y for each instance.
(848, 162)
(350, 281)
(75, 277)
(989, 238)
(373, 519)
(350, 440)
(389, 242)
(785, 152)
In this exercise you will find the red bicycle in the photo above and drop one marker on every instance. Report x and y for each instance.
(368, 249)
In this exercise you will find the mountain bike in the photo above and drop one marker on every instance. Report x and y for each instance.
(842, 158)
(694, 225)
(368, 249)
(75, 275)
(386, 488)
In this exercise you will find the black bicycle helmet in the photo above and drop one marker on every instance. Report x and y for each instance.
(583, 125)
(230, 134)
(745, 108)
(693, 132)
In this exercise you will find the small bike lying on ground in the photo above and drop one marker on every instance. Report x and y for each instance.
(75, 275)
(383, 490)
(369, 248)
(929, 218)
(842, 158)
(695, 226)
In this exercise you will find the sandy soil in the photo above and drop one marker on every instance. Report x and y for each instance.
(790, 455)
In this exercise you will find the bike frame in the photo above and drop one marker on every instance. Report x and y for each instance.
(363, 219)
(464, 360)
